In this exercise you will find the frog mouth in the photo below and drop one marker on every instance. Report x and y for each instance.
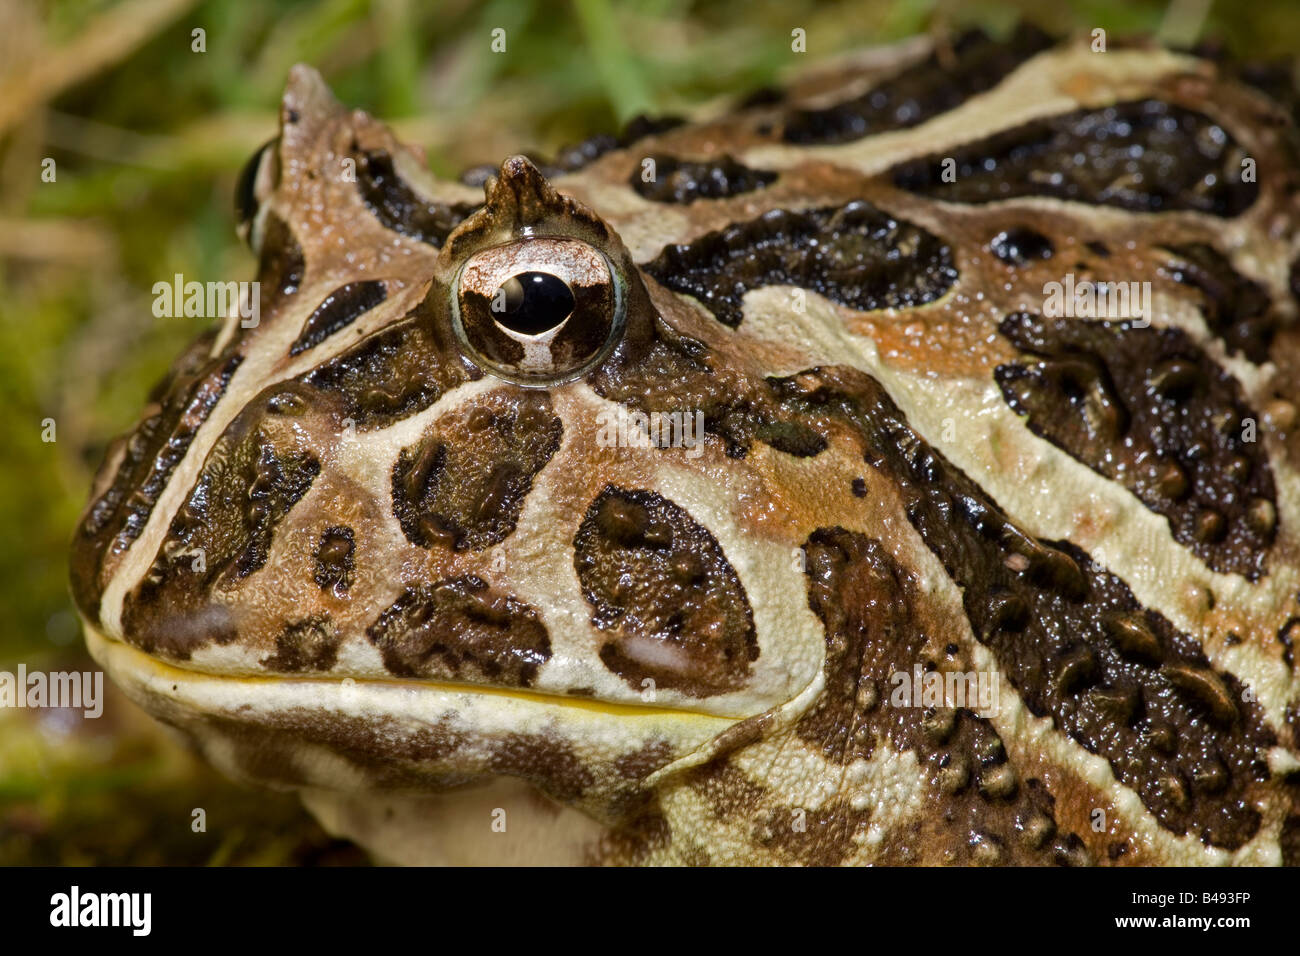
(349, 733)
(116, 655)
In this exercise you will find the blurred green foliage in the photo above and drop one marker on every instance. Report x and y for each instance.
(147, 148)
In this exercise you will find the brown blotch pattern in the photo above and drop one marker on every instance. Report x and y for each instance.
(1143, 156)
(982, 810)
(854, 254)
(1020, 246)
(463, 485)
(461, 629)
(335, 560)
(633, 841)
(821, 837)
(1286, 637)
(246, 204)
(1238, 310)
(534, 756)
(281, 268)
(575, 156)
(671, 605)
(397, 756)
(683, 181)
(954, 72)
(306, 645)
(222, 534)
(1070, 637)
(1149, 409)
(339, 309)
(678, 372)
(393, 373)
(149, 457)
(399, 207)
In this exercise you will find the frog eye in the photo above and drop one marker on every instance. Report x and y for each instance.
(538, 311)
(256, 182)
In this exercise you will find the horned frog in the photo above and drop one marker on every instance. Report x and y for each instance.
(943, 575)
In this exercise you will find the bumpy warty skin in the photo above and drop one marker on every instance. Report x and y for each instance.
(377, 549)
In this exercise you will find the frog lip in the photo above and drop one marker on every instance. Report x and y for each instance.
(383, 735)
(141, 674)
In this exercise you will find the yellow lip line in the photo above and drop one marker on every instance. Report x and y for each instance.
(174, 672)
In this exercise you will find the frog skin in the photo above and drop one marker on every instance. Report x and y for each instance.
(385, 548)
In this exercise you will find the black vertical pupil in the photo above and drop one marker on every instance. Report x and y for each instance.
(533, 302)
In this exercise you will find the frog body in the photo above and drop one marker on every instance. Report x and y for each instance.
(750, 490)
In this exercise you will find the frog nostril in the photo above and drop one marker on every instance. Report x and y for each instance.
(532, 303)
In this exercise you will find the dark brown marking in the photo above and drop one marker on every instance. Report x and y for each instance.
(684, 181)
(1286, 637)
(949, 76)
(246, 204)
(394, 372)
(820, 837)
(645, 760)
(632, 842)
(335, 560)
(1021, 246)
(340, 309)
(219, 536)
(677, 372)
(552, 759)
(460, 629)
(672, 607)
(149, 457)
(462, 486)
(398, 207)
(1144, 156)
(867, 603)
(306, 645)
(1148, 408)
(574, 157)
(1237, 310)
(855, 255)
(396, 755)
(281, 268)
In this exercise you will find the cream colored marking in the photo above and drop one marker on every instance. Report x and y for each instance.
(1028, 739)
(1053, 495)
(782, 719)
(421, 700)
(1036, 89)
(540, 556)
(454, 828)
(1023, 733)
